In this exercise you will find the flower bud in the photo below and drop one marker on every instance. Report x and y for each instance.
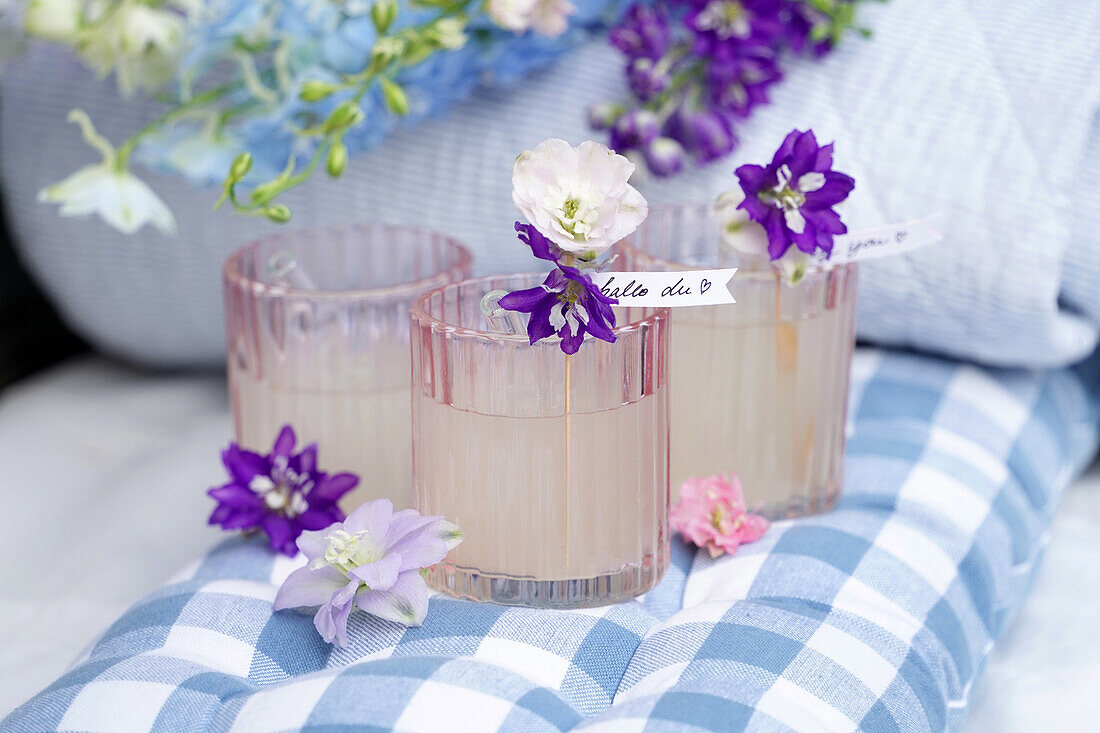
(279, 213)
(242, 164)
(315, 90)
(54, 20)
(265, 192)
(337, 160)
(383, 13)
(395, 97)
(603, 116)
(664, 157)
(347, 114)
(634, 130)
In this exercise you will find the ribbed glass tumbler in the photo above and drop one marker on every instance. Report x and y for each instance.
(761, 386)
(318, 337)
(555, 467)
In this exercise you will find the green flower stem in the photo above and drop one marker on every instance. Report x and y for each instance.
(414, 44)
(201, 99)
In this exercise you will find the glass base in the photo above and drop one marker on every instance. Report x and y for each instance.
(799, 506)
(628, 582)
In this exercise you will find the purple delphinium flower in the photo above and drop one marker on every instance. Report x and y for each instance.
(371, 561)
(793, 196)
(567, 302)
(736, 83)
(644, 32)
(743, 22)
(646, 79)
(282, 493)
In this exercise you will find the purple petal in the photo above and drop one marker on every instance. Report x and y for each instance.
(538, 325)
(786, 148)
(232, 518)
(332, 618)
(571, 342)
(836, 189)
(331, 488)
(236, 496)
(281, 533)
(598, 327)
(243, 465)
(825, 220)
(525, 301)
(823, 161)
(540, 246)
(372, 517)
(320, 517)
(284, 443)
(804, 154)
(405, 603)
(778, 242)
(307, 459)
(381, 574)
(751, 178)
(305, 587)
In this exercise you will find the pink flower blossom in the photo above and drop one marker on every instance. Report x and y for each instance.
(711, 514)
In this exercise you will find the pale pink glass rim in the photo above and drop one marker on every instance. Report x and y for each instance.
(419, 312)
(461, 265)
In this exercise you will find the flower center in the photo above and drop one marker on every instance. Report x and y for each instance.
(727, 18)
(785, 195)
(347, 551)
(285, 490)
(574, 215)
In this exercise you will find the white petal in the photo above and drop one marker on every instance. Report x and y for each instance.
(557, 318)
(811, 182)
(784, 175)
(795, 222)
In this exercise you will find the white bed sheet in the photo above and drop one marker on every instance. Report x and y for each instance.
(104, 472)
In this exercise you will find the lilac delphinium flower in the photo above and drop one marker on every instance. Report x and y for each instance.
(793, 196)
(664, 157)
(568, 304)
(371, 561)
(281, 493)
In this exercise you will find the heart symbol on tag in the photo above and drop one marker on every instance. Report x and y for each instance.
(704, 286)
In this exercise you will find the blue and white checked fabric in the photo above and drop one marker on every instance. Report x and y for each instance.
(877, 616)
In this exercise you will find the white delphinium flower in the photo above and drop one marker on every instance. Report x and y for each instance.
(580, 198)
(744, 236)
(139, 42)
(545, 17)
(108, 189)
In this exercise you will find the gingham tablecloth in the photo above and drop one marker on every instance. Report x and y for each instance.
(877, 616)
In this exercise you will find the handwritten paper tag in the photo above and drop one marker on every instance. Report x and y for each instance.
(884, 241)
(667, 289)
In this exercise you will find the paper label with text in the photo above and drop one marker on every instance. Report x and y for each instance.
(667, 289)
(884, 241)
